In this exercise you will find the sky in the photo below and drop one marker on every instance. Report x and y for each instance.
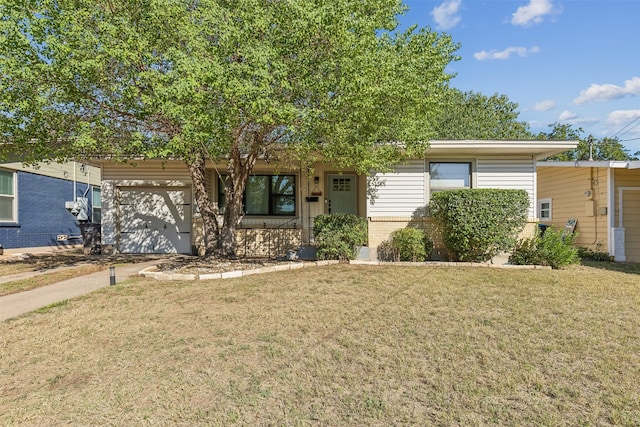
(569, 61)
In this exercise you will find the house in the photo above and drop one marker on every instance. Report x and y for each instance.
(40, 206)
(604, 198)
(149, 207)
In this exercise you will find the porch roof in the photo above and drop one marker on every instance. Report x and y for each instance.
(613, 164)
(537, 148)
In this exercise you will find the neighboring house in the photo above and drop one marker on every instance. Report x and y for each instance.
(604, 198)
(40, 206)
(149, 207)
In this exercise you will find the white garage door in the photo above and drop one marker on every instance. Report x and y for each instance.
(155, 220)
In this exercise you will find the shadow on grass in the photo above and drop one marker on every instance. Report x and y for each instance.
(622, 267)
(48, 261)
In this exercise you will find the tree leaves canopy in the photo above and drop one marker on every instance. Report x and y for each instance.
(167, 78)
(588, 147)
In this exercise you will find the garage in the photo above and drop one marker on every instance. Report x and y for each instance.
(154, 220)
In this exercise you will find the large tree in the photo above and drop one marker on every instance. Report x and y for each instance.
(226, 80)
(472, 115)
(588, 146)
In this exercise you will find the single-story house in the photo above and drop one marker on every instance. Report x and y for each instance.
(149, 207)
(604, 198)
(41, 206)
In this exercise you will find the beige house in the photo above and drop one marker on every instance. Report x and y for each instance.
(149, 207)
(604, 198)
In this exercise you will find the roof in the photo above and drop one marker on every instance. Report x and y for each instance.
(613, 164)
(538, 148)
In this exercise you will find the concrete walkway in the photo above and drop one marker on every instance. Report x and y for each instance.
(14, 305)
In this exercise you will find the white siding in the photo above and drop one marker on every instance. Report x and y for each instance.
(397, 193)
(147, 172)
(517, 174)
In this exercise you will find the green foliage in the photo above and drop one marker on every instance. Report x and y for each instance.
(229, 81)
(470, 115)
(337, 235)
(477, 224)
(601, 149)
(555, 249)
(406, 244)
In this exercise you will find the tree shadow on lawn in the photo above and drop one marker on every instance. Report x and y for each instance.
(48, 261)
(621, 267)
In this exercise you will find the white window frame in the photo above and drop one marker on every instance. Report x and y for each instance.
(540, 209)
(96, 209)
(456, 161)
(13, 197)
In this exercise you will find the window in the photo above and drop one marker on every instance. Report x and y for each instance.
(544, 209)
(266, 195)
(449, 176)
(7, 196)
(96, 205)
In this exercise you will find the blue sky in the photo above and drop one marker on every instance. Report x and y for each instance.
(569, 61)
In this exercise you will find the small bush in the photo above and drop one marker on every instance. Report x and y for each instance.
(337, 235)
(410, 244)
(555, 249)
(586, 253)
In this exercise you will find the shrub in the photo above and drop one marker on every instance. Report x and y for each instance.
(477, 224)
(555, 249)
(337, 235)
(586, 253)
(410, 244)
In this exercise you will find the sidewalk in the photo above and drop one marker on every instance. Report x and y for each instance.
(14, 305)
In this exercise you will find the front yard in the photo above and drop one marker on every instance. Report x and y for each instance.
(337, 345)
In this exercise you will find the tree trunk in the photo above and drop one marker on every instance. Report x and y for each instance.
(220, 239)
(208, 211)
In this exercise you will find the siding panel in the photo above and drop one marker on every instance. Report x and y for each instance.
(511, 174)
(397, 193)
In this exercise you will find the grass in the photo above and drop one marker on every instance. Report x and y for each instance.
(47, 278)
(339, 345)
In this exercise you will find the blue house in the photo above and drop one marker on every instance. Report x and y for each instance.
(42, 206)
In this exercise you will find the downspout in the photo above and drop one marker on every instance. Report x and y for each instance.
(610, 210)
(592, 184)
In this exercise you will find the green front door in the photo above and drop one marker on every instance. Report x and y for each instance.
(342, 194)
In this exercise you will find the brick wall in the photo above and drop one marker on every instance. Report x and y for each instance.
(41, 212)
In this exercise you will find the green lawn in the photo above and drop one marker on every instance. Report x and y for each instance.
(337, 345)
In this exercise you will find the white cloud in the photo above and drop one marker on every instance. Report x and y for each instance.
(446, 15)
(505, 54)
(622, 117)
(567, 115)
(608, 92)
(533, 13)
(546, 105)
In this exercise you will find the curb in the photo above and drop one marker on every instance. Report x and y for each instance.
(159, 275)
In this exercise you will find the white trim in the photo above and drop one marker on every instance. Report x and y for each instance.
(616, 164)
(611, 218)
(13, 197)
(539, 209)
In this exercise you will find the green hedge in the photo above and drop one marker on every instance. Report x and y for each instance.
(337, 235)
(477, 224)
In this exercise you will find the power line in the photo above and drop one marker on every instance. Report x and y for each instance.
(631, 128)
(627, 125)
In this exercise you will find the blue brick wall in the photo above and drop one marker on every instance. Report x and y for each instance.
(41, 212)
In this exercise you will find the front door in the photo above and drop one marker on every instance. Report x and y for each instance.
(342, 194)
